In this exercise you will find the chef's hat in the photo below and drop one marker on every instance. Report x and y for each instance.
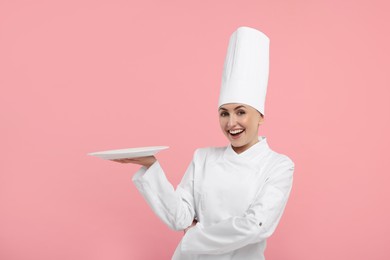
(245, 72)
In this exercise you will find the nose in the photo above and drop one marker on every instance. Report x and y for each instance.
(232, 121)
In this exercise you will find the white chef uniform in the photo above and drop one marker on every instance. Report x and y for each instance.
(237, 199)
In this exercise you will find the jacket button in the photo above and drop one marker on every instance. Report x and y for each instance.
(260, 224)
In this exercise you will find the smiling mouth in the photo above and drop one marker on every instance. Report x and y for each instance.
(236, 132)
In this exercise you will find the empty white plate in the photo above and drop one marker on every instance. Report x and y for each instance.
(129, 153)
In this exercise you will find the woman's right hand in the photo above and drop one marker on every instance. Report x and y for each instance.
(146, 161)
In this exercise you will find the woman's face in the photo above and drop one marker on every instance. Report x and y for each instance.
(240, 124)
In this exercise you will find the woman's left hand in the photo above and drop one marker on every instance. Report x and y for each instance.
(191, 226)
(146, 161)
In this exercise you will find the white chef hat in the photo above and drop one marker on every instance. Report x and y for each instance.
(245, 72)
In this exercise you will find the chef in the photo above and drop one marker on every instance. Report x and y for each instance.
(231, 198)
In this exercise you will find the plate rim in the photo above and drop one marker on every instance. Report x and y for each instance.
(126, 150)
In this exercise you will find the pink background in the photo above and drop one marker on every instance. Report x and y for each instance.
(84, 76)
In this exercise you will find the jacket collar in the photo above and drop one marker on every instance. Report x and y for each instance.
(255, 152)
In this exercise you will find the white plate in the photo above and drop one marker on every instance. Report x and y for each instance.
(129, 153)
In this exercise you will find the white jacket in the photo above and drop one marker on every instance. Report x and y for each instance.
(237, 200)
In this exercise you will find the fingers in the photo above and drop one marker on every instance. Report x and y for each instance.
(146, 161)
(194, 222)
(126, 160)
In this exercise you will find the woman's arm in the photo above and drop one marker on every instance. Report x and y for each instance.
(176, 208)
(257, 224)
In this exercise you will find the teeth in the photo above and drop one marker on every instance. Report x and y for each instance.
(236, 131)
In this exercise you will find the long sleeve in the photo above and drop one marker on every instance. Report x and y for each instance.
(174, 207)
(257, 224)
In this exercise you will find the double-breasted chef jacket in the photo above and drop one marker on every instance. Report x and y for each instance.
(237, 199)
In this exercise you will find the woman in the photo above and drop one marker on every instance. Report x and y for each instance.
(231, 198)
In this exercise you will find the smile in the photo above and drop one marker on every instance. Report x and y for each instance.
(236, 131)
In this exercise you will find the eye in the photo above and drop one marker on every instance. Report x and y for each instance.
(241, 112)
(223, 114)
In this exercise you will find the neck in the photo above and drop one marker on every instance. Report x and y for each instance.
(243, 148)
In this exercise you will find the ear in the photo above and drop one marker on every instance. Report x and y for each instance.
(261, 119)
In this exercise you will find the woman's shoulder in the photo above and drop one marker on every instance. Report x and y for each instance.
(280, 161)
(281, 158)
(275, 156)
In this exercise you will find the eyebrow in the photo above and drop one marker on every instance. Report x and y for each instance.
(241, 106)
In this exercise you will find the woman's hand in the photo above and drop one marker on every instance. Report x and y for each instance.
(144, 161)
(191, 226)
